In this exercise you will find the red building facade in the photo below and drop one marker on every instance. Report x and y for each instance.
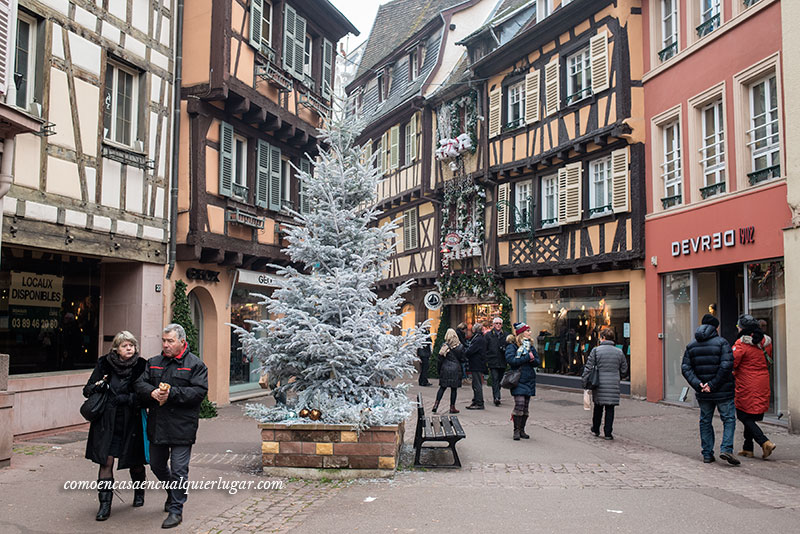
(716, 202)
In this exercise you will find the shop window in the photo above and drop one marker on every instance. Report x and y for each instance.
(49, 311)
(245, 307)
(679, 328)
(569, 320)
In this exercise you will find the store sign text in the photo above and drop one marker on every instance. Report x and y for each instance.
(717, 240)
(29, 289)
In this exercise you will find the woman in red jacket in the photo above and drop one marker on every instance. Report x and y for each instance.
(752, 384)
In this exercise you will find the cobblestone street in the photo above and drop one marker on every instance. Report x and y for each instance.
(649, 473)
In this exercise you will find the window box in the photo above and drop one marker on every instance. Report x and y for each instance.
(708, 26)
(668, 202)
(275, 77)
(764, 174)
(711, 190)
(314, 103)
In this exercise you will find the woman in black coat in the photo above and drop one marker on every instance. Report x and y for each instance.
(521, 354)
(451, 355)
(117, 433)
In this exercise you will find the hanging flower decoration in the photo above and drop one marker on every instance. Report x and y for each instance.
(454, 142)
(467, 200)
(475, 283)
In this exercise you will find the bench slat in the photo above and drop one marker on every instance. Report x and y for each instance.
(428, 429)
(437, 425)
(457, 427)
(447, 425)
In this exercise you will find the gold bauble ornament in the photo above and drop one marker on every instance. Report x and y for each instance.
(304, 412)
(315, 415)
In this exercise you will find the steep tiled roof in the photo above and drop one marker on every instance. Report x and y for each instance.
(395, 22)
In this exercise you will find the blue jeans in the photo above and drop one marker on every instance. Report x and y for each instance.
(727, 412)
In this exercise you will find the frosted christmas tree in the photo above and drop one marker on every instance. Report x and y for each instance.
(329, 332)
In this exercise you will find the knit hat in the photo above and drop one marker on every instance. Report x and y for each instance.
(746, 321)
(710, 319)
(520, 328)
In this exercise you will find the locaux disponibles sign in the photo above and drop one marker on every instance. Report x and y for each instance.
(41, 290)
(714, 241)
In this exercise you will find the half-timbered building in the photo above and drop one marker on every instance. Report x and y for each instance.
(564, 146)
(256, 84)
(409, 56)
(85, 221)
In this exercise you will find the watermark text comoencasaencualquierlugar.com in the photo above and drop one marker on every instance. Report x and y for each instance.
(231, 486)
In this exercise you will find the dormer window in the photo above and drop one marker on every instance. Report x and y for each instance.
(413, 65)
(381, 83)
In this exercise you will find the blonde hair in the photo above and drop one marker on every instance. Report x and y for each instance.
(451, 338)
(122, 337)
(520, 337)
(511, 338)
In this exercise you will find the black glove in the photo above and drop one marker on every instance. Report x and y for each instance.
(99, 387)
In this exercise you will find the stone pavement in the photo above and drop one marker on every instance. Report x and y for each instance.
(650, 478)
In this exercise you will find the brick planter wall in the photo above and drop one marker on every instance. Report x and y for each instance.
(321, 446)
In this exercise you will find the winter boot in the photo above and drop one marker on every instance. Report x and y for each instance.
(104, 495)
(516, 419)
(522, 420)
(435, 406)
(767, 449)
(138, 494)
(453, 409)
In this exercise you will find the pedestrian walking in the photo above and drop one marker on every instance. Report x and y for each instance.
(707, 365)
(496, 356)
(173, 386)
(117, 433)
(424, 355)
(751, 371)
(521, 355)
(476, 360)
(451, 354)
(611, 366)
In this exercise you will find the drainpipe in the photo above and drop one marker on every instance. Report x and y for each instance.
(176, 137)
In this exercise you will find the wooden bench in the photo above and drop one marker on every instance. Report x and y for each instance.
(442, 428)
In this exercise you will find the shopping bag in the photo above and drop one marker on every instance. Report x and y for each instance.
(587, 399)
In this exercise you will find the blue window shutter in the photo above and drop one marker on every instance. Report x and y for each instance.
(288, 40)
(262, 173)
(274, 178)
(305, 166)
(256, 15)
(299, 46)
(225, 159)
(326, 86)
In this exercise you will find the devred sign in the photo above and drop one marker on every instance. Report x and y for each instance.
(714, 241)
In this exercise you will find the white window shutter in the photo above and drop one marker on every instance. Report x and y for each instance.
(256, 15)
(570, 190)
(299, 45)
(412, 126)
(598, 48)
(289, 59)
(401, 234)
(304, 201)
(326, 88)
(620, 197)
(395, 147)
(262, 174)
(385, 151)
(532, 97)
(275, 165)
(502, 209)
(552, 87)
(7, 48)
(367, 153)
(414, 229)
(495, 111)
(225, 159)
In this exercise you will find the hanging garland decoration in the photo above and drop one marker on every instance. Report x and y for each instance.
(476, 283)
(470, 103)
(453, 142)
(469, 200)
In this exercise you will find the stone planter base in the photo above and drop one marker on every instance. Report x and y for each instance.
(312, 450)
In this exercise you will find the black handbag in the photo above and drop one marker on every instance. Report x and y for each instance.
(593, 380)
(510, 378)
(93, 407)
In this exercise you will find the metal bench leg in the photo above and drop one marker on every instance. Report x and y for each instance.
(456, 460)
(416, 456)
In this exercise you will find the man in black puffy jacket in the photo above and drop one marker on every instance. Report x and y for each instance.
(707, 366)
(172, 387)
(476, 356)
(496, 355)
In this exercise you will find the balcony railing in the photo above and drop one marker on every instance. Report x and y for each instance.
(713, 189)
(580, 95)
(239, 190)
(764, 174)
(275, 77)
(599, 209)
(268, 52)
(668, 52)
(748, 3)
(708, 26)
(128, 157)
(314, 103)
(546, 222)
(674, 200)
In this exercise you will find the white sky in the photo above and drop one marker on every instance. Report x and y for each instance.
(362, 14)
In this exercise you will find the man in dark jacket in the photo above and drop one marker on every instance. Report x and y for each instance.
(476, 358)
(173, 386)
(496, 356)
(707, 366)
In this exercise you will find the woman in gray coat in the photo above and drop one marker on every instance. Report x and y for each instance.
(612, 366)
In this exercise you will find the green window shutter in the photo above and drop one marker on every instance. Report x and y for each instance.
(299, 45)
(305, 166)
(256, 14)
(274, 178)
(262, 173)
(225, 159)
(289, 59)
(394, 153)
(327, 69)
